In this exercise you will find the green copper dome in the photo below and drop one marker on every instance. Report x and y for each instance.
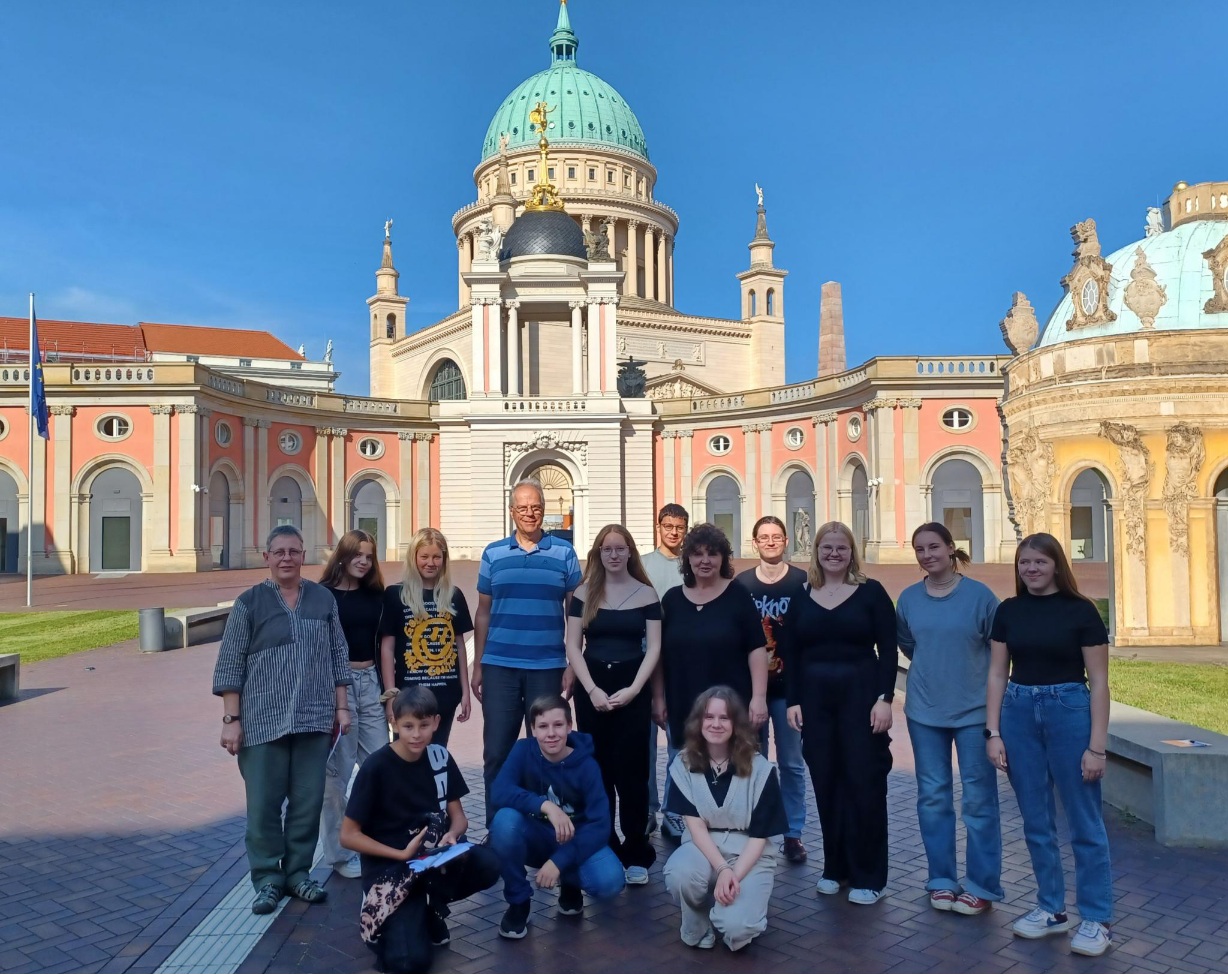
(584, 109)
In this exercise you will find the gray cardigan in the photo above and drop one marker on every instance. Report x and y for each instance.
(740, 803)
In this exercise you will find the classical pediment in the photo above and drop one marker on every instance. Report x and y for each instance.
(672, 385)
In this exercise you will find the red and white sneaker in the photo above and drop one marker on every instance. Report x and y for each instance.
(942, 899)
(970, 905)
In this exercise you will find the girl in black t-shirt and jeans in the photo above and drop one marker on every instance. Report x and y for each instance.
(1047, 728)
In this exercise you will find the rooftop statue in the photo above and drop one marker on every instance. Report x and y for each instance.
(759, 193)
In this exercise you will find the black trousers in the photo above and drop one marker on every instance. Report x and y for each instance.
(404, 946)
(848, 768)
(620, 745)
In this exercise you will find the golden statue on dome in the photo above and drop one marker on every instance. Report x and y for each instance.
(544, 195)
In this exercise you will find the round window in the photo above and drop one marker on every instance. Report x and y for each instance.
(795, 437)
(223, 433)
(854, 428)
(1090, 297)
(719, 445)
(114, 427)
(371, 448)
(290, 442)
(958, 419)
(4, 428)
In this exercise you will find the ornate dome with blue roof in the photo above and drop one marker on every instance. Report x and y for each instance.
(590, 111)
(1171, 280)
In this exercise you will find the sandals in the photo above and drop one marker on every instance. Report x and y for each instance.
(309, 891)
(267, 898)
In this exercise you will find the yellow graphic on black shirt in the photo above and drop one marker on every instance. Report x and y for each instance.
(431, 646)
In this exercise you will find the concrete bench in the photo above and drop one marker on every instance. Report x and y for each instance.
(190, 627)
(10, 676)
(1182, 791)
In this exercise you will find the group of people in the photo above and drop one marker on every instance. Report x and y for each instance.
(806, 660)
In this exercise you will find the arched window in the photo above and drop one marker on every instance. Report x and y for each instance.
(771, 301)
(447, 383)
(390, 326)
(752, 305)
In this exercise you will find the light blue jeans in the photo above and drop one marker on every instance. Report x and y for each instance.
(522, 841)
(789, 762)
(1045, 730)
(931, 748)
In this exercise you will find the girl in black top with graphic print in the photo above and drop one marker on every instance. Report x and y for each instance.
(613, 643)
(423, 634)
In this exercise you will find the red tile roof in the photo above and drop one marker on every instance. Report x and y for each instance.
(200, 340)
(73, 340)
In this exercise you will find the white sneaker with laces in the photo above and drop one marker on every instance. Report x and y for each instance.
(636, 876)
(1091, 939)
(828, 887)
(865, 897)
(350, 869)
(1041, 923)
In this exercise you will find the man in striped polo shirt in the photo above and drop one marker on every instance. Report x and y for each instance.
(281, 672)
(524, 584)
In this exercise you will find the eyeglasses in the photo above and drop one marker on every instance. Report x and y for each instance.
(614, 552)
(524, 511)
(286, 555)
(834, 550)
(771, 539)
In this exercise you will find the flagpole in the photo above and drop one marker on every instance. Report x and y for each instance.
(30, 468)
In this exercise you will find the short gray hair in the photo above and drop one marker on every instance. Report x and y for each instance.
(283, 531)
(528, 483)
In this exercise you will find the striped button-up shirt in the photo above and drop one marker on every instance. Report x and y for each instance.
(285, 663)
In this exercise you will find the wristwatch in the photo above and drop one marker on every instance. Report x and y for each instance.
(991, 734)
(230, 718)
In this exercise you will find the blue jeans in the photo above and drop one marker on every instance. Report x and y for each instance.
(521, 841)
(789, 762)
(1045, 730)
(931, 748)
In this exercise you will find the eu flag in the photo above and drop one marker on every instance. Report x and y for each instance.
(38, 389)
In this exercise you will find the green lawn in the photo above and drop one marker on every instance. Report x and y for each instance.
(46, 635)
(1190, 692)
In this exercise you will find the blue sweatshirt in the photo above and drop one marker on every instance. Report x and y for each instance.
(947, 640)
(574, 784)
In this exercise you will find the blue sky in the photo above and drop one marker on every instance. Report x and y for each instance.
(232, 163)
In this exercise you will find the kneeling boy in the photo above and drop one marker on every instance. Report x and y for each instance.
(405, 799)
(551, 812)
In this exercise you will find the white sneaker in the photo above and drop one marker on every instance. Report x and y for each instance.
(1091, 939)
(636, 876)
(828, 887)
(706, 942)
(350, 869)
(865, 897)
(1040, 923)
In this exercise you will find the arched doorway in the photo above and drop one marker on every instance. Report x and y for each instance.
(723, 503)
(956, 500)
(10, 523)
(285, 503)
(115, 522)
(1089, 517)
(369, 511)
(860, 497)
(799, 513)
(1221, 546)
(559, 494)
(219, 520)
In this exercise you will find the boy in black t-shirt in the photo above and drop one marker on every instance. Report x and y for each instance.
(405, 803)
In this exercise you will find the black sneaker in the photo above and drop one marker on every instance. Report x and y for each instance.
(437, 929)
(571, 901)
(267, 898)
(515, 922)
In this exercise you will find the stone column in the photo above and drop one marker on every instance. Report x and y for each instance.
(61, 487)
(824, 470)
(662, 268)
(650, 273)
(882, 460)
(594, 347)
(494, 346)
(405, 480)
(264, 513)
(632, 284)
(159, 543)
(317, 547)
(191, 487)
(250, 555)
(669, 441)
(765, 475)
(462, 267)
(340, 503)
(670, 300)
(422, 447)
(915, 511)
(477, 334)
(609, 329)
(577, 347)
(685, 488)
(513, 348)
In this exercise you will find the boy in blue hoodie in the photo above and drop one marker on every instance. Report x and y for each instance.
(551, 812)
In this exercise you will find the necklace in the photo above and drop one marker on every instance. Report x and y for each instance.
(718, 768)
(942, 586)
(767, 577)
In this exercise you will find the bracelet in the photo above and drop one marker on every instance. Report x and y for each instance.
(723, 868)
(346, 709)
(590, 690)
(1096, 754)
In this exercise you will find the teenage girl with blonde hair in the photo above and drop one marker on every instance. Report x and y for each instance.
(423, 635)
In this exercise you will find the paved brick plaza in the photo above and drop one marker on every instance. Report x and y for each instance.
(122, 829)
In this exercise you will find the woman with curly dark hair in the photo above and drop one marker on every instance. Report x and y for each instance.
(729, 795)
(711, 635)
